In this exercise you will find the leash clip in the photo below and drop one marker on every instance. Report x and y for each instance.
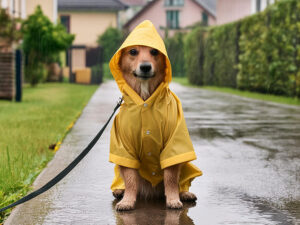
(120, 101)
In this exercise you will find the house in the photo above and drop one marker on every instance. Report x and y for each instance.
(232, 10)
(89, 18)
(86, 19)
(174, 15)
(24, 8)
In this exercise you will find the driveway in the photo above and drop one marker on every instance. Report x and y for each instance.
(248, 150)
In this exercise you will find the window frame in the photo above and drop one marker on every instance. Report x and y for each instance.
(204, 18)
(172, 3)
(68, 24)
(172, 17)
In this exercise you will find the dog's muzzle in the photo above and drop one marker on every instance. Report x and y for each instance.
(144, 71)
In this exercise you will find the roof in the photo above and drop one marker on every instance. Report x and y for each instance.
(207, 5)
(114, 5)
(134, 2)
(146, 7)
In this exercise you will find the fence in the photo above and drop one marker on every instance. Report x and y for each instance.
(7, 70)
(11, 75)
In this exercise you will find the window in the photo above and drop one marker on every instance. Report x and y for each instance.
(204, 18)
(173, 19)
(258, 4)
(65, 20)
(174, 2)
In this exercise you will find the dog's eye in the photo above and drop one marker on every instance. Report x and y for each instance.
(133, 52)
(154, 52)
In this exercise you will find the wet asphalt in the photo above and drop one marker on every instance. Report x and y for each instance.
(248, 150)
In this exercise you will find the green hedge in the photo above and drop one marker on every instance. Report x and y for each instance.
(194, 55)
(259, 53)
(175, 49)
(269, 59)
(221, 56)
(252, 59)
(110, 41)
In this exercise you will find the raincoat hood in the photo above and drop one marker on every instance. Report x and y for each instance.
(144, 34)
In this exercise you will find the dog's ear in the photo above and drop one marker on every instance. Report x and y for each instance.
(120, 59)
(164, 62)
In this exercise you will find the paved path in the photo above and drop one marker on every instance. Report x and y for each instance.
(248, 150)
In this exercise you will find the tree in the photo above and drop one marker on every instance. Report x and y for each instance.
(8, 30)
(110, 41)
(41, 43)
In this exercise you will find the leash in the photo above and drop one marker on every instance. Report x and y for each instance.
(68, 169)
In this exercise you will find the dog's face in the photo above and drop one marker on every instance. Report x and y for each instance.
(143, 69)
(142, 62)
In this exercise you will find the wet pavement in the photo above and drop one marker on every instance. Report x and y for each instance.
(249, 152)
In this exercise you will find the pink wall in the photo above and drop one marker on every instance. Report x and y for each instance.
(189, 14)
(232, 10)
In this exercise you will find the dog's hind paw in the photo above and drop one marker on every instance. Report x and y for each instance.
(118, 193)
(187, 196)
(174, 204)
(125, 205)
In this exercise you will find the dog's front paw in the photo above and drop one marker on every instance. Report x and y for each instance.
(118, 193)
(125, 205)
(187, 196)
(174, 204)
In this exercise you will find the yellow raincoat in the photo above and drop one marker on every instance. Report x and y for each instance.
(150, 135)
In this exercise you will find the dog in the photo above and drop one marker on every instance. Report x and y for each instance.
(149, 163)
(143, 69)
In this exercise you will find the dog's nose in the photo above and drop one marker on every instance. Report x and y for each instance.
(145, 67)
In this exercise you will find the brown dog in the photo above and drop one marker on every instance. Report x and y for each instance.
(143, 69)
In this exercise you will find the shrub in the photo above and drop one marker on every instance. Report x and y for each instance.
(9, 31)
(268, 60)
(252, 59)
(42, 43)
(175, 49)
(259, 53)
(110, 41)
(194, 55)
(35, 72)
(221, 56)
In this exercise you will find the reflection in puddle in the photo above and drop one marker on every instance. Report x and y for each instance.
(154, 212)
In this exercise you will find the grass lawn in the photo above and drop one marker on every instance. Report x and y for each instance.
(248, 94)
(28, 128)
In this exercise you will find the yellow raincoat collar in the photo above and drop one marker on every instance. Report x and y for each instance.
(144, 34)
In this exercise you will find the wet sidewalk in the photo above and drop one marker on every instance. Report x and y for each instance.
(248, 150)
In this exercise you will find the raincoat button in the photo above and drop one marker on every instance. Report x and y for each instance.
(149, 153)
(153, 173)
(145, 104)
(148, 132)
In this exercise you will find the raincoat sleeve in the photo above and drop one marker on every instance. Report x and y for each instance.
(121, 151)
(178, 146)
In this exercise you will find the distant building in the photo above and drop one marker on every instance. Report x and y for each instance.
(232, 10)
(88, 19)
(174, 15)
(24, 8)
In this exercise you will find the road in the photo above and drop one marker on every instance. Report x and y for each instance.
(248, 150)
